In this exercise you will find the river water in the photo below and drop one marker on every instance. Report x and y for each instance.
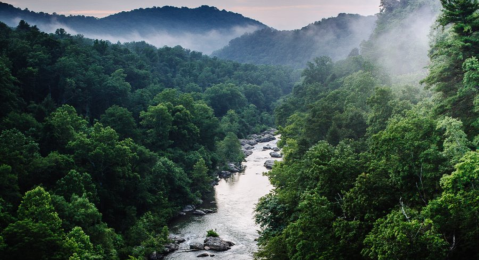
(235, 199)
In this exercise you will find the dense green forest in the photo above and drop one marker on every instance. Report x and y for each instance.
(335, 37)
(375, 170)
(101, 144)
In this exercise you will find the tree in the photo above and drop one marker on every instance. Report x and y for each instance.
(453, 68)
(223, 97)
(10, 101)
(158, 122)
(230, 149)
(17, 156)
(318, 70)
(404, 235)
(200, 179)
(80, 245)
(309, 237)
(61, 127)
(37, 233)
(121, 120)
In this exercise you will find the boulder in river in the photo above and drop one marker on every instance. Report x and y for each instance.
(247, 153)
(225, 174)
(275, 155)
(233, 168)
(196, 246)
(276, 149)
(248, 147)
(252, 142)
(208, 211)
(171, 248)
(217, 244)
(267, 138)
(199, 212)
(188, 208)
(176, 239)
(267, 147)
(203, 255)
(269, 164)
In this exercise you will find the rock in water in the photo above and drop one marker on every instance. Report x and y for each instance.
(267, 138)
(247, 153)
(196, 246)
(171, 248)
(275, 155)
(269, 164)
(203, 255)
(233, 168)
(199, 212)
(188, 208)
(217, 244)
(225, 174)
(248, 147)
(176, 239)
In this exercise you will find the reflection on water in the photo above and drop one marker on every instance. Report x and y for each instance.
(235, 198)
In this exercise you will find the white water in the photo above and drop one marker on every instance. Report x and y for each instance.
(235, 199)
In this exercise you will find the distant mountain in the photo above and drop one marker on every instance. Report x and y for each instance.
(334, 37)
(202, 29)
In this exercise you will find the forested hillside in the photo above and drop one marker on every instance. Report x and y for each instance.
(201, 29)
(101, 144)
(335, 37)
(374, 170)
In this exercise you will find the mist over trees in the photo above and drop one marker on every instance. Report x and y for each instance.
(202, 29)
(335, 37)
(102, 144)
(401, 42)
(373, 168)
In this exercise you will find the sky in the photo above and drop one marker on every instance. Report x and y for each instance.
(279, 14)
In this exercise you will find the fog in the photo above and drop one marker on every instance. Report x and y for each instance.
(403, 48)
(203, 42)
(334, 37)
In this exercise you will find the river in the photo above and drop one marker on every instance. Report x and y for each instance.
(235, 199)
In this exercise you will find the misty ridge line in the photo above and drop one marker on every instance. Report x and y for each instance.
(249, 41)
(205, 42)
(202, 29)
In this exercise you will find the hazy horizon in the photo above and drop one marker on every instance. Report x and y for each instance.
(280, 14)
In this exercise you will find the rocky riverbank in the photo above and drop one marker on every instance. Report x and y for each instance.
(234, 200)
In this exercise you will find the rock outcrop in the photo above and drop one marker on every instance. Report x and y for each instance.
(217, 244)
(275, 155)
(269, 164)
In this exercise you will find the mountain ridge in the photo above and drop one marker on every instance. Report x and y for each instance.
(334, 37)
(204, 28)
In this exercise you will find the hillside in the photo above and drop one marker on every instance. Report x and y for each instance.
(334, 37)
(201, 29)
(104, 143)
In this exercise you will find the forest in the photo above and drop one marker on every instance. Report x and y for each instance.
(378, 170)
(334, 37)
(102, 144)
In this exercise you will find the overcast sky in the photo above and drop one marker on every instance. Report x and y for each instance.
(280, 14)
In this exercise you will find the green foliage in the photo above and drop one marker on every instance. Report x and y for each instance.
(211, 233)
(37, 232)
(230, 148)
(295, 48)
(121, 120)
(404, 186)
(404, 235)
(80, 245)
